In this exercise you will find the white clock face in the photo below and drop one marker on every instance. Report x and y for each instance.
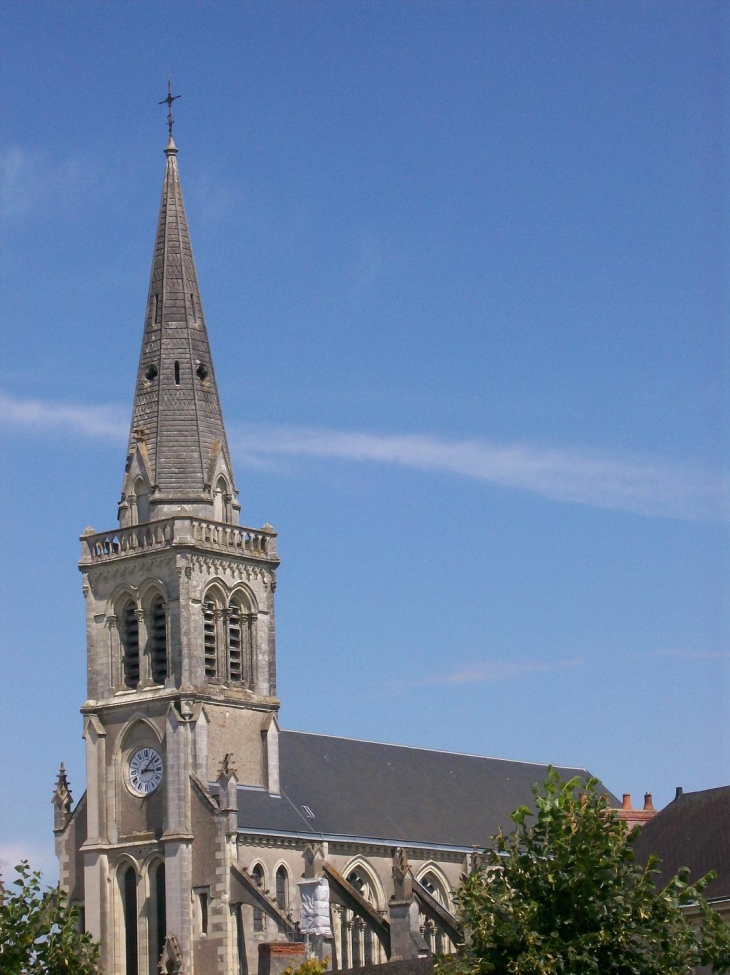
(145, 771)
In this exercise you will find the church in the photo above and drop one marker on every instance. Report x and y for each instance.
(209, 839)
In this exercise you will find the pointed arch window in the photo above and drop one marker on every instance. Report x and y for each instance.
(129, 625)
(128, 889)
(157, 640)
(358, 941)
(435, 937)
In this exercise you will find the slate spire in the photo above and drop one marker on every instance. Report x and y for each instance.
(178, 458)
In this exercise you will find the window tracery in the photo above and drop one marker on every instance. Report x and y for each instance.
(355, 936)
(435, 937)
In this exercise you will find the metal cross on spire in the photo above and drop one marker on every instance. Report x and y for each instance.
(168, 101)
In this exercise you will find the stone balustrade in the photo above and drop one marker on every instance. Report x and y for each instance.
(215, 536)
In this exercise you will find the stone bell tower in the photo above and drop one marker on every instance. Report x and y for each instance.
(181, 649)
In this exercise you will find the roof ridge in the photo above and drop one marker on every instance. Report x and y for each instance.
(439, 751)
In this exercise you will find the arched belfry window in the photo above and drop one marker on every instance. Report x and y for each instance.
(157, 640)
(128, 891)
(240, 625)
(129, 633)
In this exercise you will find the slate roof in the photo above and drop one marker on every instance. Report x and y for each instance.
(340, 787)
(692, 831)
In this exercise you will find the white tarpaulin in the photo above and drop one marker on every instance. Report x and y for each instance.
(315, 896)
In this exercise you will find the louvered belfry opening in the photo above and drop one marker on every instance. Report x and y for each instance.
(210, 638)
(235, 643)
(158, 640)
(130, 643)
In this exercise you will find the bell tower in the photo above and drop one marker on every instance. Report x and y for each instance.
(181, 659)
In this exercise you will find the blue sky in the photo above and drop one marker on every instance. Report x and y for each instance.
(463, 273)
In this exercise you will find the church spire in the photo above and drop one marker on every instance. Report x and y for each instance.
(178, 458)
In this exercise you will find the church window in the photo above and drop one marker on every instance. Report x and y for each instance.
(177, 373)
(257, 872)
(129, 910)
(358, 941)
(357, 926)
(157, 929)
(282, 888)
(158, 310)
(130, 643)
(151, 372)
(368, 944)
(202, 372)
(434, 936)
(158, 640)
(210, 639)
(192, 304)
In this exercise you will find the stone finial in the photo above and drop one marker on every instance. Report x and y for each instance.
(171, 960)
(227, 766)
(402, 887)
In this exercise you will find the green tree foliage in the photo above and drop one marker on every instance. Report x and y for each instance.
(312, 966)
(564, 895)
(39, 933)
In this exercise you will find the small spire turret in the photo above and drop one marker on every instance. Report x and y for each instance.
(62, 800)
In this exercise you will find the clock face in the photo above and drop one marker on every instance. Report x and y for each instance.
(145, 771)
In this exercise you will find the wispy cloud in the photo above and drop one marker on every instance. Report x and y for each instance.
(493, 671)
(106, 422)
(641, 486)
(30, 183)
(647, 487)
